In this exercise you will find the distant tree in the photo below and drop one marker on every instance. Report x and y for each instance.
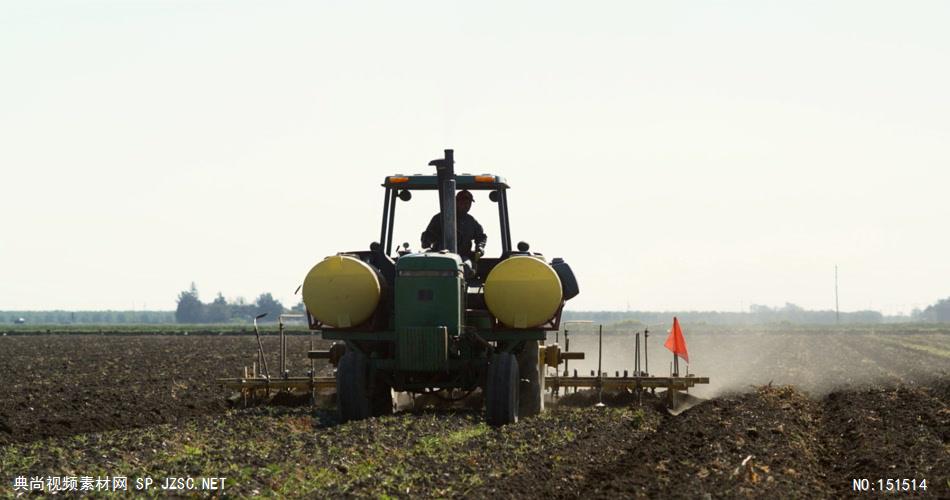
(864, 317)
(299, 308)
(240, 310)
(267, 304)
(942, 309)
(218, 311)
(190, 309)
(759, 309)
(939, 312)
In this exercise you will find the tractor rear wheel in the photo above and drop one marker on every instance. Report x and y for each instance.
(501, 390)
(352, 392)
(382, 400)
(531, 400)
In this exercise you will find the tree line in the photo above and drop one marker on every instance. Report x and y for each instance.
(759, 314)
(191, 309)
(934, 313)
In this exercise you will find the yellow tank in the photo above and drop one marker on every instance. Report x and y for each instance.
(523, 292)
(341, 291)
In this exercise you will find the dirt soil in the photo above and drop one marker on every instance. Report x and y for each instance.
(58, 385)
(877, 408)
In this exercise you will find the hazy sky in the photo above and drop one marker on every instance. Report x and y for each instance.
(687, 155)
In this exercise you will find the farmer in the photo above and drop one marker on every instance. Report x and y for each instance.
(468, 230)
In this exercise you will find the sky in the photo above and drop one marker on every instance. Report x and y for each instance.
(678, 155)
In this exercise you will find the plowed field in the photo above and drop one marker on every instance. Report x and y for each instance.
(790, 414)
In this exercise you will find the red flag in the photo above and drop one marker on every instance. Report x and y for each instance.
(675, 342)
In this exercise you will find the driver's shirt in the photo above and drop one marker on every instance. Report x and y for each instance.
(468, 231)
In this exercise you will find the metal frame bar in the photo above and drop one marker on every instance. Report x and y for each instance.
(303, 383)
(382, 230)
(505, 221)
(283, 340)
(677, 383)
(392, 218)
(445, 173)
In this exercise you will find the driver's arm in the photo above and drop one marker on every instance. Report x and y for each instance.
(480, 237)
(431, 236)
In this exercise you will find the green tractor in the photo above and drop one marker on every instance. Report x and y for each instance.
(433, 322)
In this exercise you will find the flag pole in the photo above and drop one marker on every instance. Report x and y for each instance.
(676, 361)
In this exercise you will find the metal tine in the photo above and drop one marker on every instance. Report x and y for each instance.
(260, 347)
(600, 358)
(646, 359)
(636, 356)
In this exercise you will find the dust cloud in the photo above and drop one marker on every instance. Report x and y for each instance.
(816, 360)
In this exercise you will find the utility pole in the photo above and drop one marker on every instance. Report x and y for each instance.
(837, 313)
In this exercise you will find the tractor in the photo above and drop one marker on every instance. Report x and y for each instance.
(429, 322)
(445, 322)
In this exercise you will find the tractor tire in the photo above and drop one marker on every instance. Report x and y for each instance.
(501, 390)
(352, 391)
(382, 400)
(531, 387)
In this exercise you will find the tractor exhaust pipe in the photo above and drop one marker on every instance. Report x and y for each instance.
(445, 170)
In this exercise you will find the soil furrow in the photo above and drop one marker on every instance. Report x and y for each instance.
(863, 406)
(879, 433)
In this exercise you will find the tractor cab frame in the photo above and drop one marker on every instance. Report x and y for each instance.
(401, 186)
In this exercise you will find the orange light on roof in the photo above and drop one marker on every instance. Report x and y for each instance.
(484, 178)
(398, 180)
